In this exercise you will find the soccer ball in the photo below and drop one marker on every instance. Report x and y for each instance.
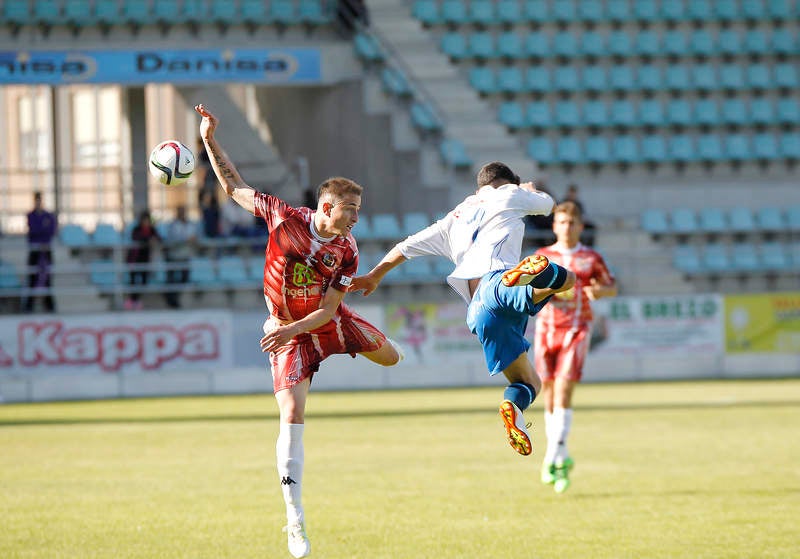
(171, 163)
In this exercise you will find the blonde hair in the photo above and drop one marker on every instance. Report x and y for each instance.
(336, 187)
(570, 208)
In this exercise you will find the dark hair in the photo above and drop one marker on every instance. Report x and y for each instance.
(496, 171)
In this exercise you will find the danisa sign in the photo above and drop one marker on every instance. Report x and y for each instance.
(292, 65)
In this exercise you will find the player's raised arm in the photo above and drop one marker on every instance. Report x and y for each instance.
(226, 172)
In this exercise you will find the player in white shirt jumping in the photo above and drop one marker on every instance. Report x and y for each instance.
(483, 237)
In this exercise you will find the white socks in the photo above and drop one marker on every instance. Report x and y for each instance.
(289, 452)
(557, 426)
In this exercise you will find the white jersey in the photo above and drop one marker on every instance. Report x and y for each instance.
(482, 234)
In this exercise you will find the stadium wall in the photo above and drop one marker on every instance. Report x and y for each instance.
(147, 354)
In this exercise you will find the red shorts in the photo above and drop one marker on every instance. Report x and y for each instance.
(300, 358)
(561, 352)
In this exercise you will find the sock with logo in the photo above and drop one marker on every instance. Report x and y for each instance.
(289, 452)
(521, 393)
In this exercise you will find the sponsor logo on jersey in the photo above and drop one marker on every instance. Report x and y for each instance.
(303, 291)
(328, 259)
(303, 275)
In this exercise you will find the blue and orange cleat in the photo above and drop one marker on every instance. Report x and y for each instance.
(516, 430)
(524, 272)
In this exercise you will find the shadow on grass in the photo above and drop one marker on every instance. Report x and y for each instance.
(347, 414)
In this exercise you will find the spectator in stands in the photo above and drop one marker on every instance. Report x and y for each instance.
(563, 331)
(588, 227)
(483, 236)
(42, 226)
(144, 235)
(178, 247)
(235, 221)
(311, 258)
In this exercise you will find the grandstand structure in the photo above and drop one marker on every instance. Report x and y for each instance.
(679, 119)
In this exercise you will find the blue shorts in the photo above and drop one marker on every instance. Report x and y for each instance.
(498, 315)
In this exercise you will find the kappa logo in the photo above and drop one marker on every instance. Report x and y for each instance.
(286, 480)
(303, 275)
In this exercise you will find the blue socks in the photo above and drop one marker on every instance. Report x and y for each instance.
(521, 393)
(553, 277)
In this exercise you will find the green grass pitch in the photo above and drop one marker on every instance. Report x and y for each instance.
(703, 469)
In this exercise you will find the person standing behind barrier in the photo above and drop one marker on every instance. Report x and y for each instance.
(42, 226)
(178, 246)
(143, 236)
(563, 332)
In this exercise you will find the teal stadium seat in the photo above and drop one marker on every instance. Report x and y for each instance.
(790, 146)
(706, 112)
(414, 221)
(681, 148)
(225, 14)
(509, 12)
(108, 14)
(731, 77)
(793, 218)
(623, 113)
(106, 234)
(770, 219)
(716, 259)
(538, 114)
(645, 11)
(673, 11)
(755, 43)
(758, 77)
(654, 221)
(780, 10)
(542, 151)
(483, 80)
(195, 12)
(9, 277)
(512, 115)
(137, 12)
(79, 14)
(202, 272)
(454, 45)
(480, 46)
(592, 44)
(618, 11)
(510, 80)
(590, 11)
(368, 258)
(745, 258)
(568, 150)
(741, 220)
(734, 112)
(367, 48)
(753, 10)
(536, 11)
(729, 42)
(684, 221)
(454, 153)
(762, 111)
(712, 221)
(233, 272)
(654, 149)
(394, 82)
(774, 257)
(686, 259)
(701, 42)
(788, 111)
(564, 11)
(537, 45)
(386, 227)
(537, 79)
(73, 236)
(737, 147)
(595, 113)
(648, 43)
(427, 12)
(454, 12)
(254, 13)
(510, 46)
(700, 11)
(726, 10)
(625, 149)
(651, 113)
(594, 78)
(312, 12)
(103, 273)
(786, 76)
(283, 12)
(783, 41)
(704, 77)
(424, 119)
(417, 270)
(567, 114)
(17, 13)
(676, 78)
(709, 149)
(482, 12)
(565, 79)
(564, 44)
(597, 150)
(363, 231)
(47, 12)
(167, 12)
(674, 42)
(649, 78)
(619, 44)
(679, 112)
(620, 78)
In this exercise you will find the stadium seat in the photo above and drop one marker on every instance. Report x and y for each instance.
(737, 147)
(454, 45)
(745, 258)
(770, 219)
(618, 11)
(254, 12)
(731, 77)
(716, 258)
(765, 147)
(726, 10)
(73, 235)
(103, 273)
(597, 150)
(673, 11)
(454, 153)
(538, 114)
(427, 12)
(709, 148)
(712, 220)
(674, 42)
(676, 78)
(363, 229)
(47, 12)
(704, 77)
(593, 78)
(510, 80)
(623, 113)
(564, 44)
(417, 270)
(681, 148)
(758, 77)
(367, 48)
(568, 150)
(753, 10)
(510, 46)
(648, 78)
(564, 11)
(509, 12)
(619, 44)
(595, 113)
(729, 42)
(645, 11)
(654, 221)
(9, 277)
(648, 43)
(537, 79)
(78, 13)
(686, 259)
(590, 11)
(762, 111)
(536, 45)
(512, 115)
(454, 12)
(106, 234)
(625, 149)
(774, 257)
(706, 112)
(654, 149)
(536, 11)
(621, 78)
(542, 151)
(779, 10)
(202, 271)
(700, 11)
(424, 118)
(679, 112)
(741, 220)
(786, 76)
(755, 43)
(684, 221)
(482, 12)
(567, 114)
(565, 78)
(395, 83)
(790, 146)
(167, 12)
(480, 45)
(701, 42)
(413, 222)
(386, 227)
(788, 111)
(592, 44)
(282, 12)
(17, 13)
(136, 12)
(651, 113)
(483, 80)
(310, 12)
(783, 41)
(734, 111)
(233, 271)
(196, 12)
(793, 218)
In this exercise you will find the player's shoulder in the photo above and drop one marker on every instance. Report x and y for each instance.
(547, 250)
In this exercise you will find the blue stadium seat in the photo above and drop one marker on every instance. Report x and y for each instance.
(788, 111)
(709, 148)
(700, 11)
(565, 78)
(758, 76)
(623, 113)
(731, 77)
(512, 115)
(706, 112)
(424, 118)
(395, 83)
(654, 149)
(541, 150)
(651, 113)
(536, 45)
(413, 222)
(770, 219)
(282, 12)
(654, 221)
(625, 149)
(310, 12)
(47, 12)
(568, 150)
(511, 46)
(618, 11)
(619, 44)
(675, 42)
(679, 112)
(17, 12)
(755, 42)
(454, 12)
(480, 45)
(367, 48)
(730, 42)
(779, 10)
(734, 111)
(676, 78)
(790, 145)
(482, 12)
(726, 10)
(233, 271)
(686, 259)
(645, 11)
(386, 227)
(793, 217)
(753, 10)
(681, 148)
(597, 150)
(649, 77)
(673, 11)
(509, 12)
(564, 11)
(595, 113)
(103, 273)
(745, 258)
(593, 78)
(564, 44)
(786, 76)
(202, 272)
(483, 80)
(254, 12)
(648, 43)
(741, 220)
(9, 277)
(427, 12)
(701, 42)
(510, 80)
(590, 11)
(537, 79)
(454, 45)
(454, 153)
(704, 77)
(737, 147)
(567, 114)
(774, 257)
(106, 234)
(536, 11)
(592, 44)
(762, 111)
(538, 114)
(417, 270)
(196, 12)
(621, 79)
(712, 220)
(78, 13)
(783, 41)
(136, 12)
(716, 258)
(73, 235)
(167, 12)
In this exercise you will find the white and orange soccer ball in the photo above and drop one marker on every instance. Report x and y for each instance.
(171, 162)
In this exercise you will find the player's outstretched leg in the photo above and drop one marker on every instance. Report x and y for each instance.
(290, 458)
(525, 272)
